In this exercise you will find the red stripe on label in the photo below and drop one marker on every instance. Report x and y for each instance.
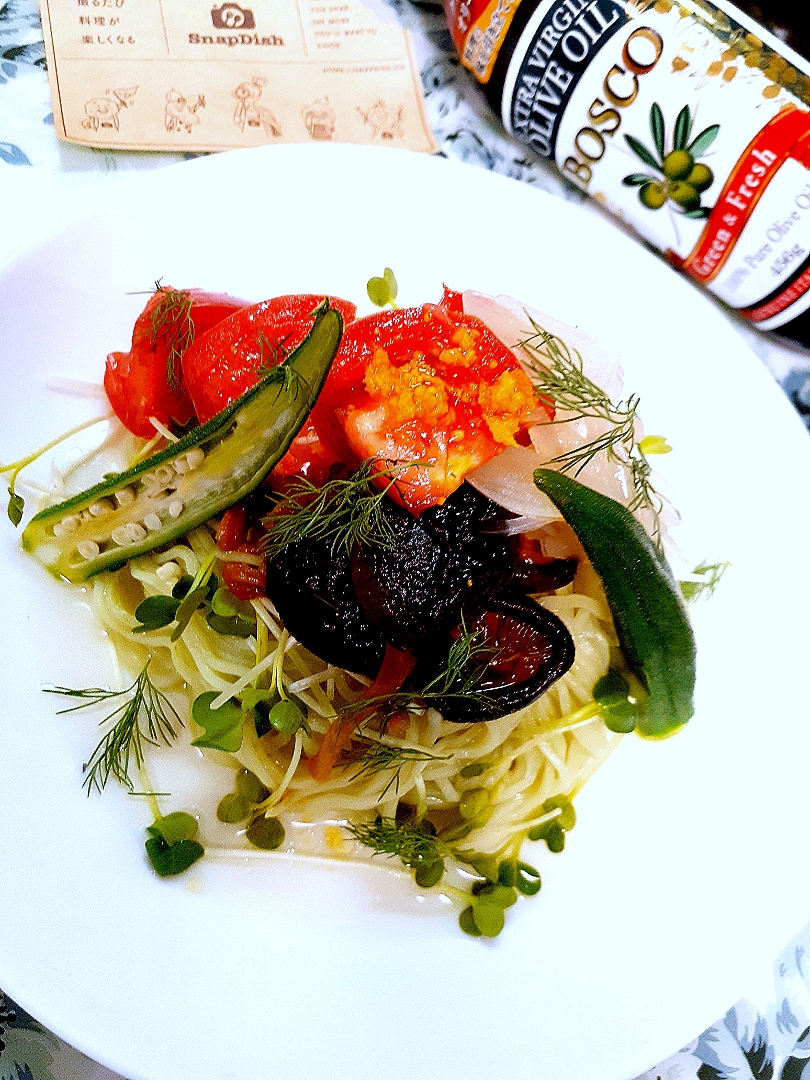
(786, 135)
(791, 294)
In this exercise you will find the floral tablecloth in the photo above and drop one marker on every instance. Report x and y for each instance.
(767, 1039)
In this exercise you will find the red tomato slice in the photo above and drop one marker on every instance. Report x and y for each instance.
(233, 356)
(424, 384)
(138, 382)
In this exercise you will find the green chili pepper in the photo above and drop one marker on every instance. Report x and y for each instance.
(208, 470)
(647, 608)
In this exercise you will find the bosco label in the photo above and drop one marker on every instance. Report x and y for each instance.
(686, 121)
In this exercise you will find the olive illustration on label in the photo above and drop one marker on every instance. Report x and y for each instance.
(679, 177)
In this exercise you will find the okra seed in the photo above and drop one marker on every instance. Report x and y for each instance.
(99, 509)
(135, 532)
(85, 516)
(150, 480)
(70, 523)
(88, 549)
(175, 508)
(125, 497)
(164, 473)
(180, 466)
(195, 457)
(120, 536)
(59, 530)
(152, 522)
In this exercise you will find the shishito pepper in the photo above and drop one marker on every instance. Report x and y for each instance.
(202, 474)
(648, 611)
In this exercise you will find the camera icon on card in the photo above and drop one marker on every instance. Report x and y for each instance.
(232, 17)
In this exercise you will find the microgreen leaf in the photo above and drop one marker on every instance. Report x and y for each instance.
(428, 874)
(232, 808)
(488, 916)
(286, 717)
(503, 896)
(230, 625)
(188, 605)
(383, 290)
(182, 586)
(223, 602)
(266, 833)
(174, 827)
(554, 829)
(16, 505)
(252, 696)
(466, 921)
(612, 694)
(237, 805)
(155, 612)
(708, 575)
(222, 727)
(250, 787)
(527, 880)
(168, 860)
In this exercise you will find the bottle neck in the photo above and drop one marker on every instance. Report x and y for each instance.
(782, 19)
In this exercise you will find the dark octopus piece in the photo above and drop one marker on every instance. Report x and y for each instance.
(448, 567)
(313, 593)
(525, 649)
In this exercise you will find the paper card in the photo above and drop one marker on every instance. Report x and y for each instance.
(218, 75)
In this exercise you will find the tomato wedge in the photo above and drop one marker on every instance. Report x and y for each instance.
(146, 381)
(427, 384)
(233, 356)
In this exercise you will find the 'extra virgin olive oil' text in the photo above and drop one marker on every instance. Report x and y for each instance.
(687, 120)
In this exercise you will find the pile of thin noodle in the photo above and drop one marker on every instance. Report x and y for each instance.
(549, 748)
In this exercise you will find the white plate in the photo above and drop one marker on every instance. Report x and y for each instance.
(682, 879)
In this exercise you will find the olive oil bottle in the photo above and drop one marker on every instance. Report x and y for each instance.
(689, 119)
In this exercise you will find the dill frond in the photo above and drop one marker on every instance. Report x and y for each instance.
(380, 756)
(145, 715)
(412, 843)
(172, 324)
(272, 352)
(559, 377)
(343, 512)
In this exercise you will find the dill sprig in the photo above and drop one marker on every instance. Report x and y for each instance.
(413, 843)
(145, 715)
(380, 756)
(458, 680)
(559, 377)
(272, 352)
(467, 661)
(343, 512)
(172, 324)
